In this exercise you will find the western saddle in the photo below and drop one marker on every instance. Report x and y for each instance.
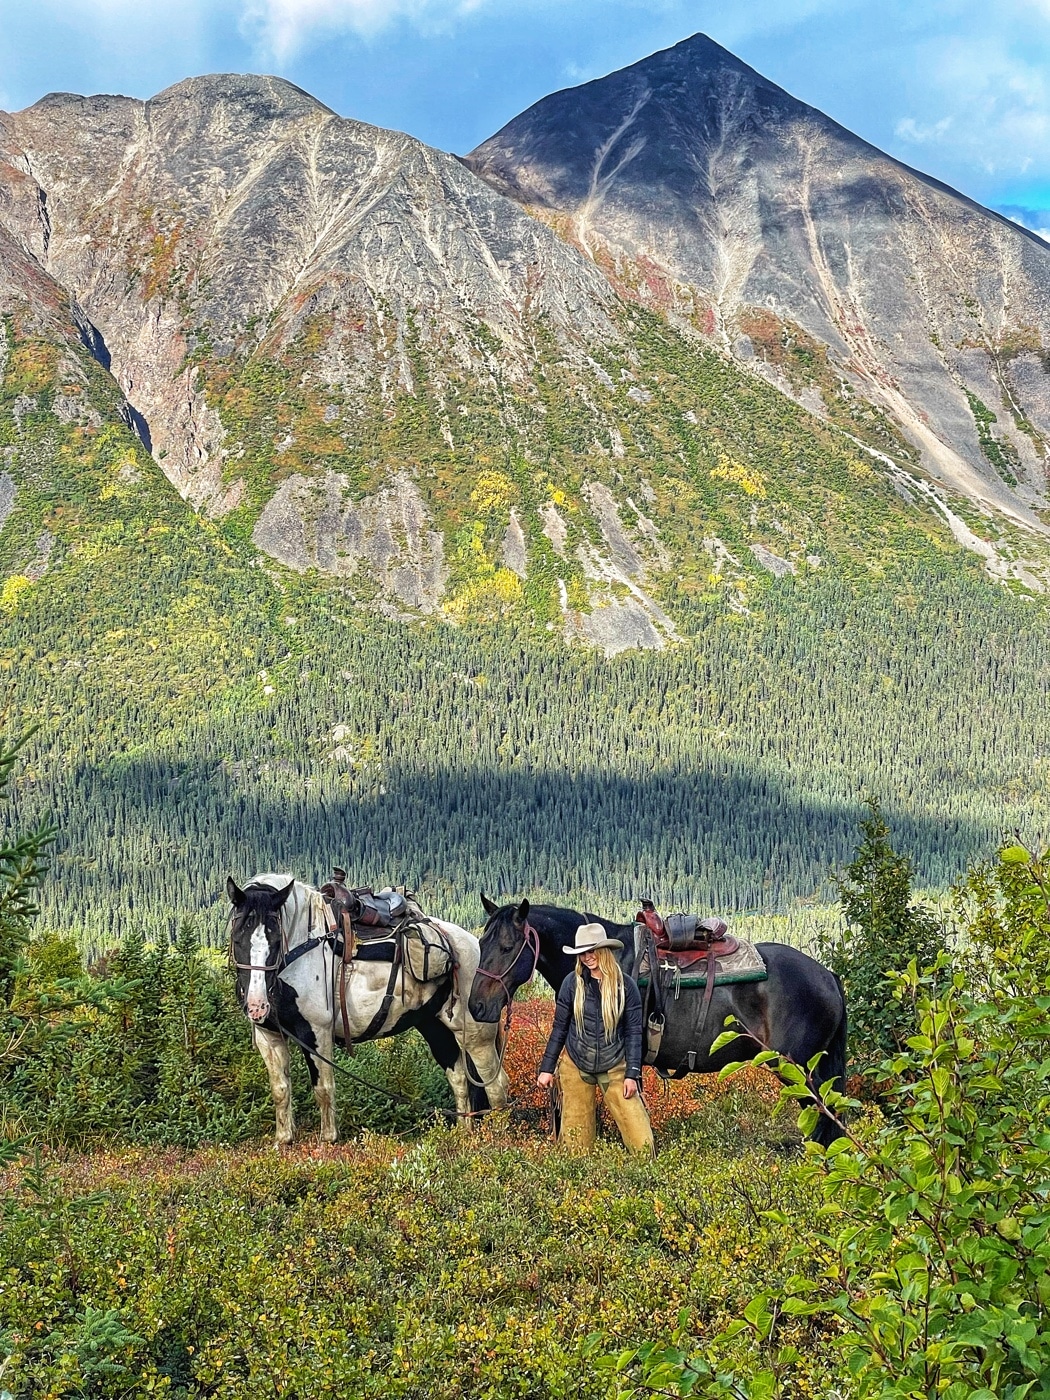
(672, 948)
(686, 939)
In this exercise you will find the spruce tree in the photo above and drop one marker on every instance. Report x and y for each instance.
(884, 932)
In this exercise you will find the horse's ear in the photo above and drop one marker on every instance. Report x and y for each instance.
(489, 906)
(522, 912)
(282, 895)
(236, 894)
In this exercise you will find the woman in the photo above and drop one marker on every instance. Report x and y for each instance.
(598, 1023)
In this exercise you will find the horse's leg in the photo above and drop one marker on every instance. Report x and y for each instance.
(483, 1048)
(457, 1076)
(806, 1015)
(322, 1073)
(274, 1050)
(446, 1050)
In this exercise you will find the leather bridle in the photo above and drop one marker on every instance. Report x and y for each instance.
(280, 957)
(530, 939)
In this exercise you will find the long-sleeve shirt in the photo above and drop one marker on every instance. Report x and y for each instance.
(589, 1050)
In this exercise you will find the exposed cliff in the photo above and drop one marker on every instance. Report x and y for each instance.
(356, 354)
(703, 188)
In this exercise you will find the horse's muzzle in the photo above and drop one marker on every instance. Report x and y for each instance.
(486, 1009)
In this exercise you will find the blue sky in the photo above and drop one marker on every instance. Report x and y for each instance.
(960, 88)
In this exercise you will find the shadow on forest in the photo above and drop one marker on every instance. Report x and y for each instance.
(730, 840)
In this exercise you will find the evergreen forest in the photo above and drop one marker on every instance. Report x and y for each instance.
(199, 710)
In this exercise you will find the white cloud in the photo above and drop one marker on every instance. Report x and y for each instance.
(908, 129)
(1036, 220)
(282, 28)
(997, 99)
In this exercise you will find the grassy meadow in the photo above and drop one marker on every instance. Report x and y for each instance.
(482, 1265)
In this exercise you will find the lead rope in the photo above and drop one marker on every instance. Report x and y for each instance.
(531, 940)
(554, 1110)
(449, 1113)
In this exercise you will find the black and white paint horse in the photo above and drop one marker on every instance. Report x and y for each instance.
(286, 982)
(799, 1010)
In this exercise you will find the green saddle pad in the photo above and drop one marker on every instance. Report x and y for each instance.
(699, 979)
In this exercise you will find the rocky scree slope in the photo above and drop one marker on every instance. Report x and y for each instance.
(351, 350)
(812, 256)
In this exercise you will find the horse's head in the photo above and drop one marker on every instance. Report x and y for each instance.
(510, 950)
(257, 944)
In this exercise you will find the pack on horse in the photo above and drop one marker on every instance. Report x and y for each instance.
(353, 966)
(797, 1008)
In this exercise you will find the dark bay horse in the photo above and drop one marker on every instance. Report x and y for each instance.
(286, 983)
(799, 1010)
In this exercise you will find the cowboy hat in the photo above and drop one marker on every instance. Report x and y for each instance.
(589, 938)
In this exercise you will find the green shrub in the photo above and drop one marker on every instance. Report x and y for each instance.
(931, 1270)
(455, 1267)
(885, 932)
(152, 1047)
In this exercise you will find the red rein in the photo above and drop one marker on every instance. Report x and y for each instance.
(531, 940)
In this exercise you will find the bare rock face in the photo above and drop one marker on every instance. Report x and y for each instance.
(312, 523)
(622, 614)
(616, 626)
(8, 492)
(690, 171)
(514, 550)
(229, 213)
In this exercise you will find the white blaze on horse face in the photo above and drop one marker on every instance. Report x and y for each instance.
(255, 1003)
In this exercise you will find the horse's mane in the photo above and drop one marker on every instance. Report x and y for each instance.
(557, 925)
(298, 903)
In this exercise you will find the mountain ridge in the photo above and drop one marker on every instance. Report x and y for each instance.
(352, 349)
(757, 202)
(701, 39)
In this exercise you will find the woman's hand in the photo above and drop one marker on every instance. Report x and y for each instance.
(544, 1081)
(630, 1088)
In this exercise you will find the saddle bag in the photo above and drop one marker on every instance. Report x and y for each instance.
(382, 910)
(428, 953)
(681, 930)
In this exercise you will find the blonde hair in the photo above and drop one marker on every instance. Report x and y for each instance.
(612, 992)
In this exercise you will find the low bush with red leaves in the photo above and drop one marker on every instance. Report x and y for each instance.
(669, 1100)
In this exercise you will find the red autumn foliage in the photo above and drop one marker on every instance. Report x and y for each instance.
(667, 1100)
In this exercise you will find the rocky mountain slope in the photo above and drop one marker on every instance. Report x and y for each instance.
(831, 268)
(356, 354)
(284, 397)
(230, 212)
